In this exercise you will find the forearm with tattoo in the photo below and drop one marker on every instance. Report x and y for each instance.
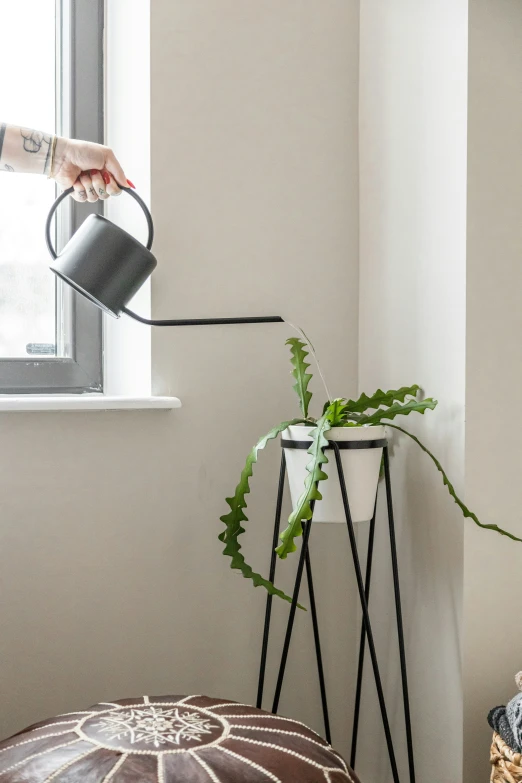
(90, 169)
(24, 150)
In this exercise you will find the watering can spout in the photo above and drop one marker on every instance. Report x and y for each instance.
(108, 266)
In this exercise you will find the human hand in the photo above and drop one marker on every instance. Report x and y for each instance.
(91, 169)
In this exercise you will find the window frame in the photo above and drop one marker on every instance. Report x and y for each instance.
(79, 325)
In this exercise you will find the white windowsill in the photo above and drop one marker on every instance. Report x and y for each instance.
(83, 402)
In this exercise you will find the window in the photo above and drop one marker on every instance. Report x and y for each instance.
(52, 61)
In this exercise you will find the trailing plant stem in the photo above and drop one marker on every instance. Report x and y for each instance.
(447, 483)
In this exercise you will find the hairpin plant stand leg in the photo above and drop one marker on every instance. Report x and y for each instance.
(366, 615)
(366, 633)
(304, 561)
(271, 576)
(362, 643)
(315, 624)
(400, 631)
(398, 613)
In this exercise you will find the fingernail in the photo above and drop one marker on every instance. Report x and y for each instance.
(129, 183)
(106, 177)
(94, 171)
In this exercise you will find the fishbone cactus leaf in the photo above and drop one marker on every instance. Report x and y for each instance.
(447, 483)
(417, 406)
(337, 411)
(236, 515)
(380, 397)
(303, 510)
(302, 378)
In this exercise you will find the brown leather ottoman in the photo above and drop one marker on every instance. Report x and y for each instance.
(170, 739)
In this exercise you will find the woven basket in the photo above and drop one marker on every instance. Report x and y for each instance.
(506, 765)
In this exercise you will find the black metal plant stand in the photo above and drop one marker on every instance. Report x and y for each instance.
(364, 595)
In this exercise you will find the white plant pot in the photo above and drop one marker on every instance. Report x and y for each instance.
(361, 472)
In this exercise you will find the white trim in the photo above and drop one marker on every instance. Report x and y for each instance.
(38, 755)
(322, 744)
(136, 705)
(250, 763)
(127, 343)
(121, 761)
(290, 752)
(68, 764)
(36, 739)
(161, 770)
(212, 775)
(262, 715)
(11, 403)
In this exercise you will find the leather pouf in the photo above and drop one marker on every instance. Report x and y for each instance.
(170, 739)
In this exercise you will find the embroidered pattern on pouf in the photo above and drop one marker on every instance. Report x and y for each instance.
(168, 739)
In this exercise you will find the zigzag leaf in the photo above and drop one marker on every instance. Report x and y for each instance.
(417, 406)
(303, 510)
(236, 515)
(337, 411)
(380, 397)
(447, 483)
(302, 378)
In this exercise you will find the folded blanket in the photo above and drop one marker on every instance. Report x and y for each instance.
(499, 722)
(514, 712)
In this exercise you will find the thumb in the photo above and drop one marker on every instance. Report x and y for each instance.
(113, 166)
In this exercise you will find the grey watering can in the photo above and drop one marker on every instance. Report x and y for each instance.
(107, 265)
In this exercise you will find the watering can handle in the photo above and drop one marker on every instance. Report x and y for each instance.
(68, 192)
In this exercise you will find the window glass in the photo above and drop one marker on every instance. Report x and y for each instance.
(28, 97)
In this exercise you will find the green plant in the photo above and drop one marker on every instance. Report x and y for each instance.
(381, 407)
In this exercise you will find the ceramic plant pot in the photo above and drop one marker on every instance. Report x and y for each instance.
(361, 468)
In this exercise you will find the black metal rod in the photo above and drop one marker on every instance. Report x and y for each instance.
(262, 319)
(398, 610)
(362, 642)
(357, 445)
(315, 624)
(366, 615)
(273, 559)
(291, 617)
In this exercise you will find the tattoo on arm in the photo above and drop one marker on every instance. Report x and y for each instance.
(7, 167)
(33, 142)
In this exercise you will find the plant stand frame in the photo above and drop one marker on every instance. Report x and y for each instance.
(364, 595)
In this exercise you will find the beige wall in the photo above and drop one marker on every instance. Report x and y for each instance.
(111, 577)
(413, 74)
(492, 575)
(421, 276)
(254, 114)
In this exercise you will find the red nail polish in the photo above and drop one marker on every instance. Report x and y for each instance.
(130, 184)
(94, 171)
(106, 177)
